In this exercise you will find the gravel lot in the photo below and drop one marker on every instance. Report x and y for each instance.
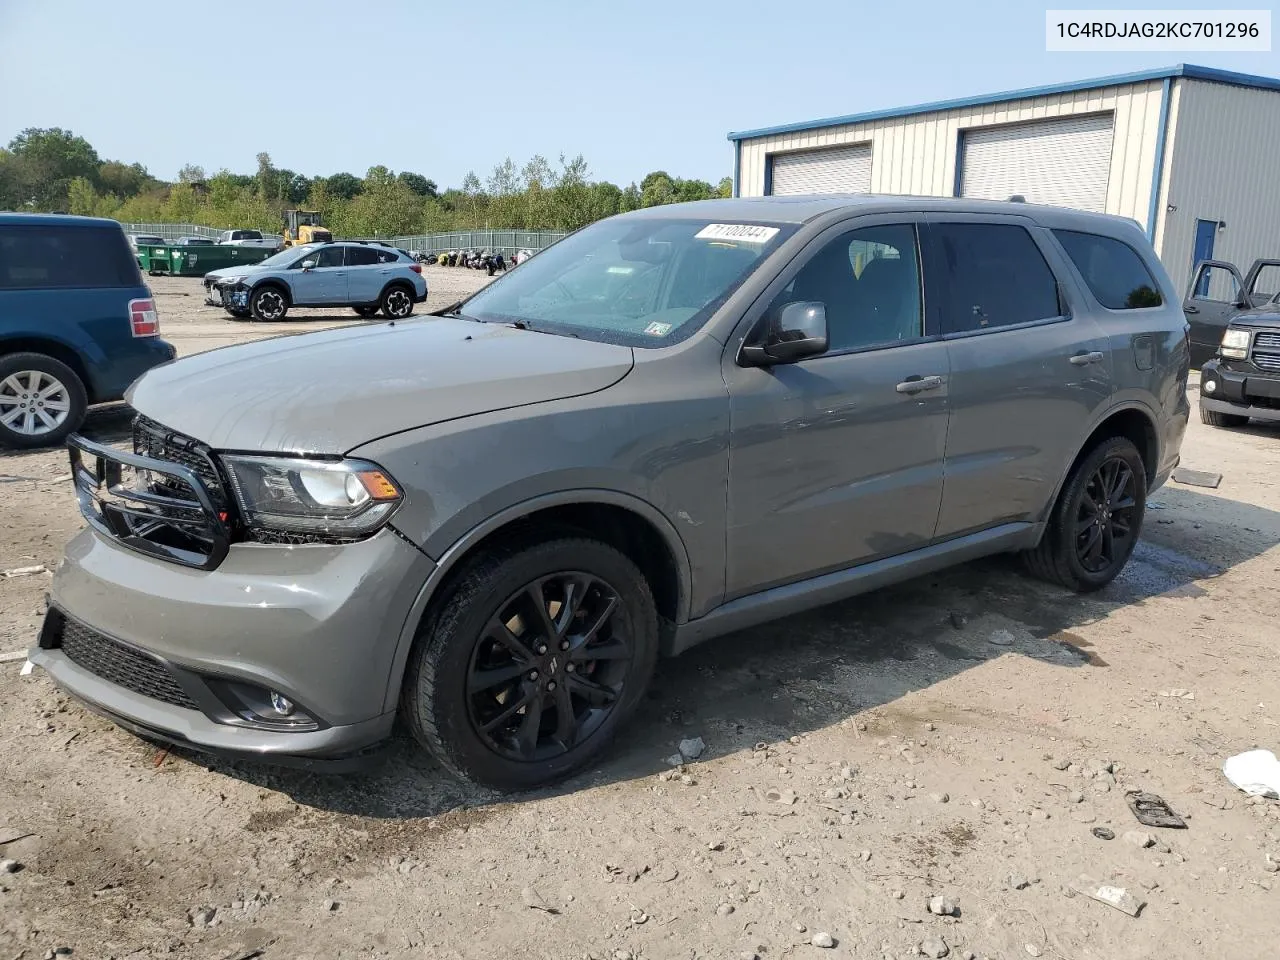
(957, 736)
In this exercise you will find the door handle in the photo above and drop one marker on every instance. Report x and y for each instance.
(1084, 359)
(1190, 309)
(918, 384)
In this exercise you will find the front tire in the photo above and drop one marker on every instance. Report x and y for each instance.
(238, 314)
(397, 303)
(366, 312)
(268, 304)
(1215, 419)
(1096, 522)
(530, 661)
(41, 401)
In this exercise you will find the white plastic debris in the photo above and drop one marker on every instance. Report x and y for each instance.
(1256, 772)
(26, 669)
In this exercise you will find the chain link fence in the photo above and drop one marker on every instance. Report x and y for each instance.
(506, 242)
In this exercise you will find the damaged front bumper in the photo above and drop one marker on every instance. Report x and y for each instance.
(233, 296)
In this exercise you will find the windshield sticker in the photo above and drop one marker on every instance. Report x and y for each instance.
(742, 232)
(657, 329)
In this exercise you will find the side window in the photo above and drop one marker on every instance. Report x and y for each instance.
(1217, 284)
(1112, 269)
(869, 282)
(329, 257)
(995, 276)
(387, 256)
(1267, 282)
(361, 256)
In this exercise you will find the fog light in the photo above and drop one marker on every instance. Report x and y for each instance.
(1210, 386)
(281, 704)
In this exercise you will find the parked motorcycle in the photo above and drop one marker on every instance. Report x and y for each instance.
(493, 262)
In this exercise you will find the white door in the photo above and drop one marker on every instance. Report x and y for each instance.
(1062, 162)
(829, 170)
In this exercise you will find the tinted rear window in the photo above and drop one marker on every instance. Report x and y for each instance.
(996, 277)
(1112, 269)
(44, 257)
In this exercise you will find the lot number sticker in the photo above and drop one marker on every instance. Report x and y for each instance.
(657, 329)
(742, 232)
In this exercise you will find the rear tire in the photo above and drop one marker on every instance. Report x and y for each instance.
(397, 303)
(1215, 419)
(486, 625)
(268, 304)
(42, 400)
(1083, 548)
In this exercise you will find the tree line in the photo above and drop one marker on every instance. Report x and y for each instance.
(55, 170)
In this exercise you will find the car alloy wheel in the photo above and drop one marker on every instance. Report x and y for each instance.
(1105, 519)
(270, 305)
(398, 304)
(33, 403)
(549, 667)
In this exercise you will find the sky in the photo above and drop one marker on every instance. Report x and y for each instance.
(443, 88)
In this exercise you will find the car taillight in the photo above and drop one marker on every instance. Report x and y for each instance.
(143, 318)
(416, 268)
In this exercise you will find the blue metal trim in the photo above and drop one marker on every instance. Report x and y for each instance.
(737, 169)
(1189, 71)
(768, 174)
(958, 185)
(1157, 175)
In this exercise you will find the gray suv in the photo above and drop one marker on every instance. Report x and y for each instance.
(673, 424)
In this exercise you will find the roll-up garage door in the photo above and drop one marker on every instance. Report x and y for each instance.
(829, 170)
(1061, 162)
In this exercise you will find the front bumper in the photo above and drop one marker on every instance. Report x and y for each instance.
(231, 296)
(1241, 390)
(319, 624)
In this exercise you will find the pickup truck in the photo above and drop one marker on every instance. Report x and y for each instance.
(1218, 294)
(247, 238)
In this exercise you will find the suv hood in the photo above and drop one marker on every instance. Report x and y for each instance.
(331, 391)
(1267, 315)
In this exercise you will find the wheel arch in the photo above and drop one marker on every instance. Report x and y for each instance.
(275, 283)
(638, 529)
(57, 350)
(1131, 420)
(396, 282)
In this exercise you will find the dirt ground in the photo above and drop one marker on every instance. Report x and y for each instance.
(958, 736)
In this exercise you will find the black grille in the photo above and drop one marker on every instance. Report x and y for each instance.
(121, 664)
(1266, 351)
(150, 439)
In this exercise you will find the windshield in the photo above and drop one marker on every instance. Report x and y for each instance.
(641, 282)
(287, 255)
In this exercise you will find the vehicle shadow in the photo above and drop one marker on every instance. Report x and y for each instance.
(811, 671)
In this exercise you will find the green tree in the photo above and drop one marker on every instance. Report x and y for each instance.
(418, 183)
(656, 189)
(726, 187)
(268, 187)
(43, 164)
(124, 180)
(344, 185)
(690, 190)
(181, 205)
(191, 173)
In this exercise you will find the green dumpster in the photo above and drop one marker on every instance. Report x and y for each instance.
(196, 261)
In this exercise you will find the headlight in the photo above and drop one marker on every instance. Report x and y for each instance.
(1235, 344)
(229, 281)
(339, 500)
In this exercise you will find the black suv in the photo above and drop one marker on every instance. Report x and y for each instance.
(1243, 380)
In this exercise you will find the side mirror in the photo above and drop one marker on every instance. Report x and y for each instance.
(798, 331)
(308, 264)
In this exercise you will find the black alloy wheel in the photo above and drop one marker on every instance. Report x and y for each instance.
(1104, 520)
(549, 667)
(530, 660)
(1096, 521)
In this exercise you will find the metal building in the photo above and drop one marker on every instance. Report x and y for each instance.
(1189, 152)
